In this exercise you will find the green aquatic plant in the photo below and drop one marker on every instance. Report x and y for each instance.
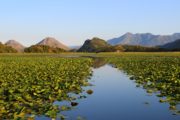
(74, 103)
(89, 92)
(30, 85)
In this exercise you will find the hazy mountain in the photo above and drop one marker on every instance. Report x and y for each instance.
(94, 45)
(144, 39)
(52, 42)
(16, 45)
(172, 45)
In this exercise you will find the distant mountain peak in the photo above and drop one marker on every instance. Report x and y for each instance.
(95, 38)
(128, 34)
(12, 41)
(144, 34)
(144, 39)
(47, 40)
(52, 42)
(16, 45)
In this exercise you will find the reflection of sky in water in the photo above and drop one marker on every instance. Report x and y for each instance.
(115, 97)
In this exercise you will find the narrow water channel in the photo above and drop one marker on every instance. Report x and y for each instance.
(116, 97)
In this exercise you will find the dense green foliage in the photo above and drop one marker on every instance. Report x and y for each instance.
(138, 48)
(43, 49)
(6, 49)
(116, 48)
(154, 74)
(30, 85)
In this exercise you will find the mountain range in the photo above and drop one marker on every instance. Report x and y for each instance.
(48, 41)
(144, 39)
(99, 45)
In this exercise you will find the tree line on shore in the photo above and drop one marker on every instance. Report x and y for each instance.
(94, 45)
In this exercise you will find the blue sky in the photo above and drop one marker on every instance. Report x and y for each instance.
(73, 21)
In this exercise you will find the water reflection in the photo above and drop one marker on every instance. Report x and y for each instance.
(99, 62)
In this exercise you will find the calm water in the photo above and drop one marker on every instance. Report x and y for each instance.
(116, 97)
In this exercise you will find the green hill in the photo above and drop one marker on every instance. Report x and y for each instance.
(94, 45)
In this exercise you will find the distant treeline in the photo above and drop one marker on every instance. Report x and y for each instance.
(137, 48)
(6, 49)
(130, 48)
(42, 49)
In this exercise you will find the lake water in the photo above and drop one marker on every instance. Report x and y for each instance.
(116, 97)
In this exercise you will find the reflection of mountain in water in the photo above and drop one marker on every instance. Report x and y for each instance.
(99, 62)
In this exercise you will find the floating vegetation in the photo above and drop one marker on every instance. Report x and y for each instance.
(74, 103)
(155, 74)
(30, 85)
(89, 92)
(172, 107)
(99, 62)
